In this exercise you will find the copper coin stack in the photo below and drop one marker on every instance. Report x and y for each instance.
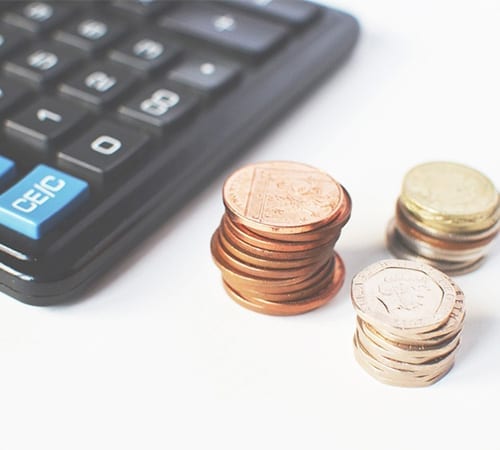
(410, 318)
(446, 216)
(274, 245)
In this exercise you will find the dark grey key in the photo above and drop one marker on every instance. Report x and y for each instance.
(11, 93)
(226, 27)
(44, 63)
(160, 105)
(145, 52)
(103, 153)
(38, 17)
(207, 75)
(142, 8)
(45, 122)
(99, 84)
(91, 33)
(294, 12)
(10, 39)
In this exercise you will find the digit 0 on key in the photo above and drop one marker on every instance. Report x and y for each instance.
(39, 201)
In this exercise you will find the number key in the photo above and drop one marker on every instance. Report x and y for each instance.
(160, 106)
(45, 122)
(90, 33)
(38, 17)
(99, 84)
(102, 153)
(43, 64)
(146, 52)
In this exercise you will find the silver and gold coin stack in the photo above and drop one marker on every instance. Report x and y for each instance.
(447, 215)
(409, 322)
(275, 243)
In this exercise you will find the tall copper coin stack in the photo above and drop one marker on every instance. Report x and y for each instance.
(446, 216)
(410, 318)
(274, 245)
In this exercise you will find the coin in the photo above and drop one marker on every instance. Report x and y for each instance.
(275, 243)
(451, 196)
(409, 322)
(282, 197)
(401, 294)
(398, 249)
(262, 305)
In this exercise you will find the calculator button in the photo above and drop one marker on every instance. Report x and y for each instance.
(43, 64)
(40, 201)
(145, 52)
(11, 93)
(204, 74)
(99, 84)
(233, 30)
(160, 106)
(293, 12)
(102, 153)
(38, 17)
(10, 39)
(7, 171)
(142, 8)
(45, 122)
(91, 33)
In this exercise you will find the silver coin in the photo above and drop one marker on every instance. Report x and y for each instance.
(397, 248)
(448, 236)
(404, 295)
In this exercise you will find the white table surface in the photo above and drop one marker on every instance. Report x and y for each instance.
(159, 357)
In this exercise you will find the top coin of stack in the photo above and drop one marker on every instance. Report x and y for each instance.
(274, 245)
(446, 216)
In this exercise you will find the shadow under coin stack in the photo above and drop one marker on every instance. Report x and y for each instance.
(446, 216)
(410, 318)
(274, 245)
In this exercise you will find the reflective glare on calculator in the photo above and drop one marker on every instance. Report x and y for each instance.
(114, 113)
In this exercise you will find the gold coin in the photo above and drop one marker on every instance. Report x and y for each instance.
(282, 197)
(450, 196)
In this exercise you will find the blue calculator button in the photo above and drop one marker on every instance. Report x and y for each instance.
(7, 171)
(40, 200)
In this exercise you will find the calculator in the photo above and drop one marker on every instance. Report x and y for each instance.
(115, 113)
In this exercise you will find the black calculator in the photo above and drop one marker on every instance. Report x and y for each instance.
(115, 113)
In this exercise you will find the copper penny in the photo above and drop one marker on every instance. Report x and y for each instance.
(248, 269)
(291, 308)
(282, 197)
(263, 286)
(261, 242)
(266, 258)
(292, 293)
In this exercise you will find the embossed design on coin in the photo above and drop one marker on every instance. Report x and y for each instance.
(403, 294)
(282, 196)
(449, 189)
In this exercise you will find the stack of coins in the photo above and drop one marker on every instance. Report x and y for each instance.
(274, 245)
(410, 318)
(446, 216)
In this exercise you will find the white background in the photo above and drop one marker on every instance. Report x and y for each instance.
(158, 357)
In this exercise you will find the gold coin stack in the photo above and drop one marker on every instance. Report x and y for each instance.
(446, 216)
(409, 322)
(274, 245)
